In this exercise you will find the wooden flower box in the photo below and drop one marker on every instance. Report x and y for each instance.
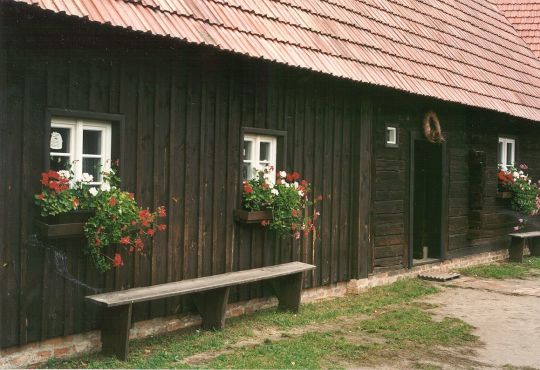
(252, 217)
(65, 225)
(504, 194)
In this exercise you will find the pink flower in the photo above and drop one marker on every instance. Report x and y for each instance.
(516, 228)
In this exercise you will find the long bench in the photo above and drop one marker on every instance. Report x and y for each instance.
(519, 240)
(211, 295)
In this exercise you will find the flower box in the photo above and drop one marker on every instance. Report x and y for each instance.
(252, 217)
(65, 225)
(504, 194)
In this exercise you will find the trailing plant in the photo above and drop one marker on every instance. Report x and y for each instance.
(117, 218)
(287, 198)
(525, 193)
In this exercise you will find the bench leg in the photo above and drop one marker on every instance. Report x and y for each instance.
(115, 331)
(212, 306)
(534, 247)
(288, 290)
(515, 251)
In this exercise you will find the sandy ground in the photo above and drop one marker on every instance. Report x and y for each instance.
(506, 315)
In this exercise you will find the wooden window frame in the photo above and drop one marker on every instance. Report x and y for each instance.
(281, 145)
(396, 130)
(117, 127)
(507, 139)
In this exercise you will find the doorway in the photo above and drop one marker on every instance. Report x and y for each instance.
(428, 194)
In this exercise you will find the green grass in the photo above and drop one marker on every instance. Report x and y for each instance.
(388, 313)
(505, 270)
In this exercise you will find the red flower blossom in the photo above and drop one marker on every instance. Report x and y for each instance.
(125, 240)
(162, 227)
(150, 232)
(265, 223)
(289, 177)
(75, 202)
(162, 212)
(248, 189)
(117, 262)
(139, 244)
(40, 196)
(304, 183)
(294, 213)
(295, 175)
(97, 242)
(112, 201)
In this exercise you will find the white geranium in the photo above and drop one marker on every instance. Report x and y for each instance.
(86, 177)
(105, 186)
(270, 185)
(282, 174)
(93, 191)
(65, 174)
(301, 193)
(515, 174)
(274, 191)
(295, 185)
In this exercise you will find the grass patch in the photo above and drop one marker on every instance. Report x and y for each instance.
(404, 329)
(505, 270)
(168, 351)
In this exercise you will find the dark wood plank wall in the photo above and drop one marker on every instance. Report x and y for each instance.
(469, 230)
(184, 109)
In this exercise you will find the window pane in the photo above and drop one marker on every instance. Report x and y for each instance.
(91, 142)
(60, 163)
(247, 172)
(59, 141)
(501, 153)
(93, 167)
(248, 150)
(510, 153)
(264, 152)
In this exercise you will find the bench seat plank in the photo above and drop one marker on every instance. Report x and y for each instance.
(182, 287)
(525, 235)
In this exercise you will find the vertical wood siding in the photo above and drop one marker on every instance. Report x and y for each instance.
(184, 111)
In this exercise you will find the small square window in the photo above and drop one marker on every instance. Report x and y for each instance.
(507, 153)
(259, 152)
(80, 145)
(391, 139)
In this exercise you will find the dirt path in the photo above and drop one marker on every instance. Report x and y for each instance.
(505, 313)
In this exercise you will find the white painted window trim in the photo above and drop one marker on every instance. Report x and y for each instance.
(507, 159)
(255, 161)
(76, 155)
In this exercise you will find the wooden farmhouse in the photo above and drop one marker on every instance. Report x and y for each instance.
(345, 92)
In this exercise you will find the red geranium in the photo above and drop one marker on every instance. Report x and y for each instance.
(125, 240)
(112, 201)
(248, 189)
(117, 261)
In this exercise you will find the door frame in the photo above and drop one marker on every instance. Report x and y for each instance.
(416, 135)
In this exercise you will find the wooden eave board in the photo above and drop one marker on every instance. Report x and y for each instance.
(148, 293)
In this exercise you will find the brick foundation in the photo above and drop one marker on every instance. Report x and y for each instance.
(72, 345)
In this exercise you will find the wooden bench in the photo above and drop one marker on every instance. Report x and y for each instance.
(211, 294)
(518, 244)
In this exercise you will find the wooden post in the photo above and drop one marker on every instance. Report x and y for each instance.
(516, 250)
(288, 291)
(212, 305)
(534, 247)
(115, 331)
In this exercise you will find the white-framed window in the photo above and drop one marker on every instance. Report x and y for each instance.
(259, 151)
(80, 144)
(507, 152)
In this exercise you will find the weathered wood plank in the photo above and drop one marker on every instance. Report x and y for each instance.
(188, 286)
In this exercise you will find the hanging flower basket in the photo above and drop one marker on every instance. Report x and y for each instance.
(65, 225)
(252, 217)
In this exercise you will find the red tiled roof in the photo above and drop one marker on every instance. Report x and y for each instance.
(463, 51)
(524, 15)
